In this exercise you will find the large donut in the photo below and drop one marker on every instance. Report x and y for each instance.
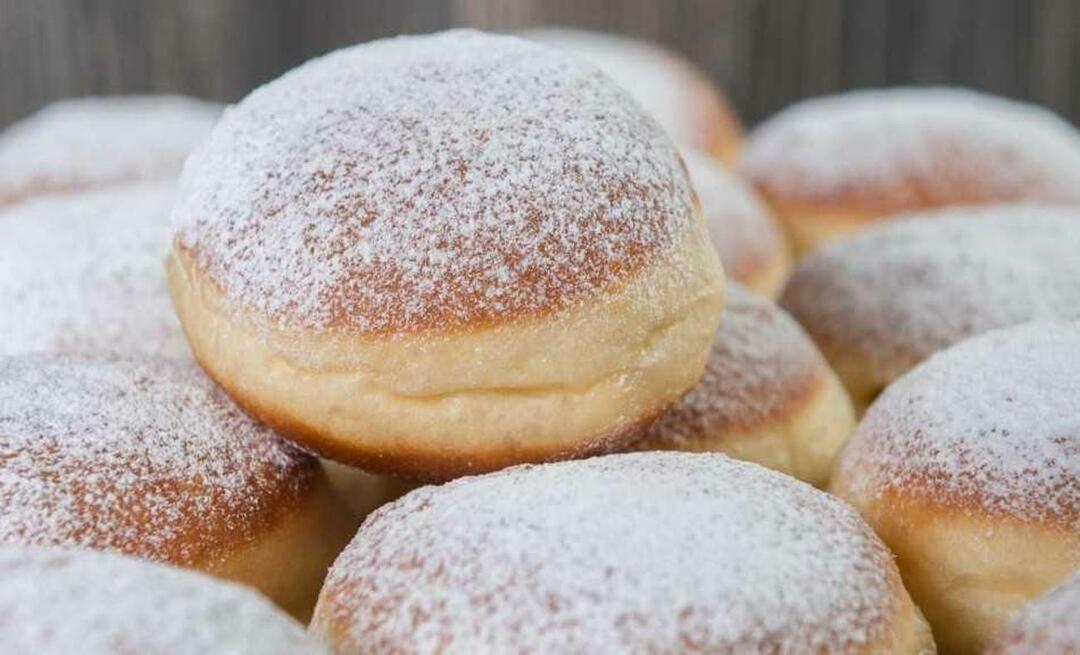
(148, 458)
(90, 143)
(829, 166)
(645, 552)
(767, 396)
(883, 301)
(411, 254)
(1049, 625)
(678, 94)
(54, 602)
(84, 273)
(969, 469)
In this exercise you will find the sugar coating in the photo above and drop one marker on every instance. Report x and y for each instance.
(143, 456)
(100, 141)
(55, 602)
(430, 183)
(907, 148)
(86, 273)
(990, 424)
(1049, 625)
(645, 552)
(896, 293)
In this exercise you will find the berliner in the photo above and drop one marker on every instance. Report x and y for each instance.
(767, 396)
(880, 302)
(147, 457)
(411, 255)
(671, 88)
(751, 244)
(95, 142)
(968, 467)
(84, 273)
(639, 553)
(830, 166)
(1049, 625)
(55, 602)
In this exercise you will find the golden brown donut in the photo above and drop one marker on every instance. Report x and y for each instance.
(833, 165)
(643, 553)
(95, 142)
(55, 602)
(1049, 625)
(767, 396)
(148, 458)
(676, 92)
(968, 468)
(884, 300)
(409, 255)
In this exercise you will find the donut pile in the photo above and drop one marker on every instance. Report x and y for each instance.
(531, 305)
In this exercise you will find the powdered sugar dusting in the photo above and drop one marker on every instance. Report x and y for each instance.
(86, 274)
(645, 552)
(907, 148)
(57, 603)
(1050, 625)
(146, 457)
(991, 422)
(429, 183)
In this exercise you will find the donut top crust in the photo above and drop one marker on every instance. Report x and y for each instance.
(146, 457)
(72, 268)
(989, 424)
(645, 552)
(896, 293)
(428, 184)
(100, 141)
(1046, 626)
(910, 148)
(54, 602)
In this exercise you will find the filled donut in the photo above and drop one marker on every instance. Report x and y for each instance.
(967, 468)
(1045, 626)
(833, 165)
(411, 254)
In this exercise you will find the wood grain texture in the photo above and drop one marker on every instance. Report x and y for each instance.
(765, 53)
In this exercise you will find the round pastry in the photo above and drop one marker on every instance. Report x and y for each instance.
(147, 457)
(767, 396)
(643, 553)
(409, 255)
(830, 166)
(880, 302)
(671, 88)
(55, 602)
(363, 492)
(84, 273)
(1046, 626)
(968, 467)
(748, 238)
(88, 143)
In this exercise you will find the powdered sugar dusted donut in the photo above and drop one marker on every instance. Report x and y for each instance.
(1046, 626)
(881, 302)
(56, 603)
(969, 469)
(84, 273)
(410, 254)
(829, 166)
(646, 552)
(89, 143)
(148, 458)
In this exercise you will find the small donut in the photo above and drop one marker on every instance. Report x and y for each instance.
(880, 302)
(1049, 625)
(147, 457)
(767, 396)
(833, 165)
(95, 142)
(55, 602)
(968, 467)
(635, 553)
(410, 254)
(751, 244)
(84, 274)
(673, 90)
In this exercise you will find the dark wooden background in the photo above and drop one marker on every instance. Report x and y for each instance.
(766, 53)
